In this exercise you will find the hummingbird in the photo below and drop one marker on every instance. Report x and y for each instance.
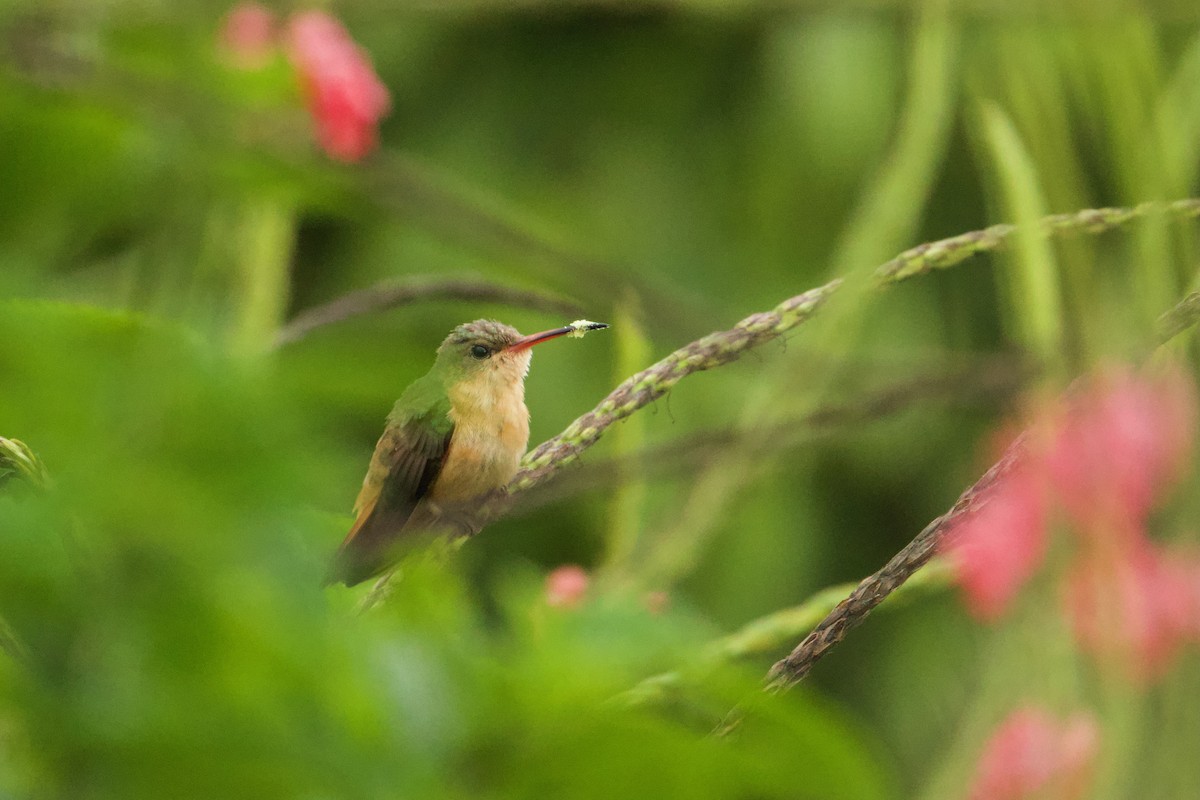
(455, 436)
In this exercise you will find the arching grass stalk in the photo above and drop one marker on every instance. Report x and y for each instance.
(391, 294)
(946, 253)
(769, 633)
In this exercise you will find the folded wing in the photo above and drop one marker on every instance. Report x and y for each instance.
(407, 461)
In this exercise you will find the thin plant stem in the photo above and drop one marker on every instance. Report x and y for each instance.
(391, 294)
(946, 253)
(1035, 307)
(265, 231)
(627, 507)
(1179, 318)
(869, 593)
(772, 631)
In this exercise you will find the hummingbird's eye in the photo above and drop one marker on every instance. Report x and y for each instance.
(480, 352)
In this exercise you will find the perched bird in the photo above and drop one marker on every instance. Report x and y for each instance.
(454, 436)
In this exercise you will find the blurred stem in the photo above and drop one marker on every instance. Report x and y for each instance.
(1179, 318)
(1035, 312)
(1125, 88)
(264, 235)
(950, 252)
(890, 209)
(1022, 71)
(868, 594)
(629, 501)
(771, 632)
(1178, 121)
(11, 645)
(18, 460)
(494, 225)
(390, 294)
(675, 551)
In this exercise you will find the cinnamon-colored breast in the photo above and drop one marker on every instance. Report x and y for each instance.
(491, 432)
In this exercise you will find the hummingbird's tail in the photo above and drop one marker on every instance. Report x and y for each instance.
(353, 565)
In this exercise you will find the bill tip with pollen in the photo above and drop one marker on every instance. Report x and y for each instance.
(581, 326)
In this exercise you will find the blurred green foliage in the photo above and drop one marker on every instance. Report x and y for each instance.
(672, 166)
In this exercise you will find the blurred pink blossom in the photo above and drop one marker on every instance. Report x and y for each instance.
(566, 586)
(997, 548)
(1106, 457)
(1119, 447)
(344, 95)
(1132, 605)
(1032, 754)
(248, 35)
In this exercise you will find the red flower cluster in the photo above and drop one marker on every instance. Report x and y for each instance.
(344, 95)
(1104, 458)
(566, 586)
(1033, 754)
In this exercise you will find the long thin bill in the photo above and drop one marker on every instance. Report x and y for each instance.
(537, 338)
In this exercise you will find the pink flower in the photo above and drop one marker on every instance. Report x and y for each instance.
(1034, 754)
(248, 36)
(345, 96)
(1133, 605)
(1106, 456)
(1119, 447)
(998, 547)
(566, 586)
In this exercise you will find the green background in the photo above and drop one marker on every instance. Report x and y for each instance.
(667, 167)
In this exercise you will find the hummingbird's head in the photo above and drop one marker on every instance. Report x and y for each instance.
(480, 347)
(484, 348)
